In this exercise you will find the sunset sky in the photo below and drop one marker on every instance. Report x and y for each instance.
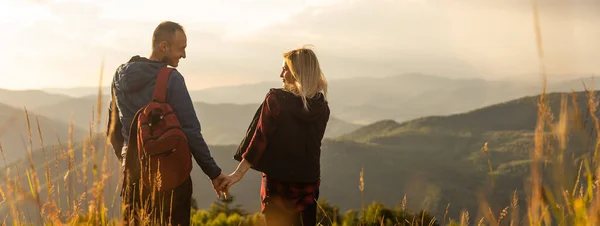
(60, 43)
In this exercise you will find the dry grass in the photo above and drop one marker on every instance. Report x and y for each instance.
(548, 203)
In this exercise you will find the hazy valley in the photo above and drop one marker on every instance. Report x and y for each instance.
(423, 138)
(366, 100)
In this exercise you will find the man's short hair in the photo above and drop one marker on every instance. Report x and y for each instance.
(164, 32)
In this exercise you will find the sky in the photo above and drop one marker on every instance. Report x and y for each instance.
(61, 43)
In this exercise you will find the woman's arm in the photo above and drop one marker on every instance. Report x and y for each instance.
(236, 176)
(258, 145)
(264, 129)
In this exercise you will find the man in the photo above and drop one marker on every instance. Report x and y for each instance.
(132, 88)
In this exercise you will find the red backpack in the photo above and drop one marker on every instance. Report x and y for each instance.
(161, 143)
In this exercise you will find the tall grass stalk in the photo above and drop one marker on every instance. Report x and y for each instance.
(566, 199)
(536, 206)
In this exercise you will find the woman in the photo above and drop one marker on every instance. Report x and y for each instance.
(283, 142)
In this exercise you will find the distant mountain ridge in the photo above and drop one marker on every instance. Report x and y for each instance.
(82, 111)
(222, 124)
(14, 133)
(29, 98)
(403, 97)
(432, 160)
(515, 115)
(78, 92)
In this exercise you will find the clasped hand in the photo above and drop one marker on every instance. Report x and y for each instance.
(223, 182)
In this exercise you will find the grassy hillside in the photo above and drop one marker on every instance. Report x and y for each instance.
(433, 161)
(60, 172)
(14, 132)
(445, 154)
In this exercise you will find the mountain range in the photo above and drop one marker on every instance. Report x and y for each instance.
(16, 127)
(222, 124)
(30, 98)
(403, 97)
(433, 160)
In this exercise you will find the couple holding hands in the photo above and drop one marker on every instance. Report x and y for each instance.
(155, 133)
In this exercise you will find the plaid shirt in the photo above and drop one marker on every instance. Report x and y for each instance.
(264, 128)
(289, 196)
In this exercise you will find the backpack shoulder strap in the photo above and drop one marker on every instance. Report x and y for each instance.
(160, 89)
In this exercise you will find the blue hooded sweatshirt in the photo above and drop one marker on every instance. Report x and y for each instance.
(133, 85)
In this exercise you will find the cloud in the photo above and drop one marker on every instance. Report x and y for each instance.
(16, 14)
(450, 38)
(466, 38)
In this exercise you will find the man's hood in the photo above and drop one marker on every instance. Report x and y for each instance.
(136, 74)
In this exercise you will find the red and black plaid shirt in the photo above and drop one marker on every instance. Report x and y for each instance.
(290, 196)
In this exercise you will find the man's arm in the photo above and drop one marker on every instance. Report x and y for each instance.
(114, 126)
(181, 102)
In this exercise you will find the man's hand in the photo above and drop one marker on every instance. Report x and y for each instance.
(235, 176)
(217, 184)
(230, 181)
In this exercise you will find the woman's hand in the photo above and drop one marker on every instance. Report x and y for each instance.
(217, 183)
(234, 177)
(230, 181)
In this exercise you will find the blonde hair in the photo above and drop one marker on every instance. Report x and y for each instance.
(308, 78)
